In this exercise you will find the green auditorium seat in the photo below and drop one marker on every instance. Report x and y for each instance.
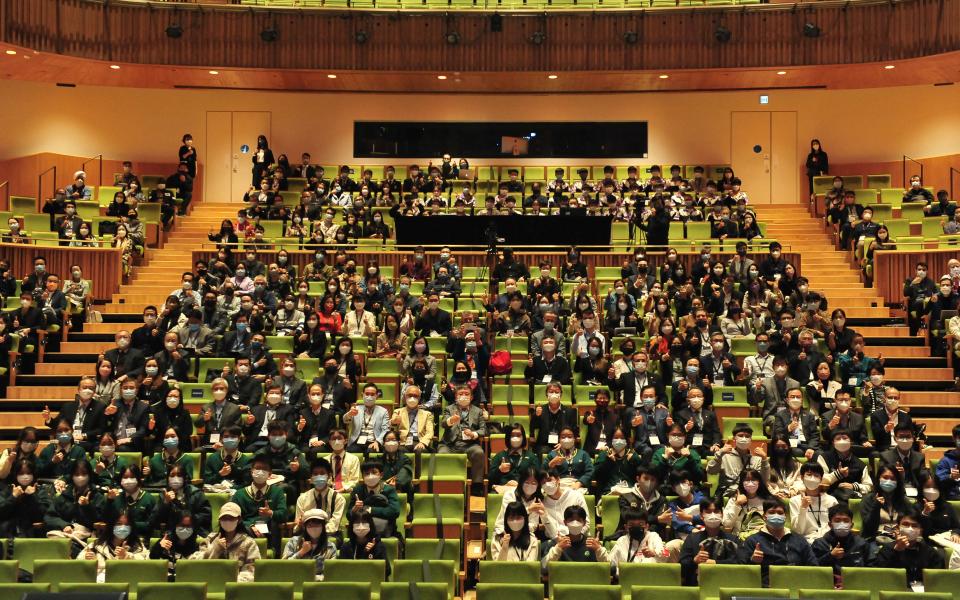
(134, 572)
(8, 571)
(878, 181)
(324, 590)
(712, 577)
(427, 571)
(574, 573)
(647, 574)
(834, 594)
(874, 580)
(90, 588)
(912, 212)
(426, 515)
(34, 223)
(260, 591)
(891, 196)
(663, 592)
(16, 591)
(449, 475)
(361, 571)
(514, 591)
(523, 572)
(402, 591)
(172, 591)
(297, 572)
(432, 549)
(794, 578)
(579, 591)
(64, 571)
(22, 205)
(215, 573)
(727, 593)
(27, 550)
(884, 595)
(941, 580)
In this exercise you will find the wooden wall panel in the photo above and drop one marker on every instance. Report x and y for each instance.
(101, 265)
(229, 36)
(892, 269)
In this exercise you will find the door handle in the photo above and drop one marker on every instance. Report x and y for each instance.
(766, 163)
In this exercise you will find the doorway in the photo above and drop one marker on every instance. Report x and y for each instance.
(763, 153)
(231, 136)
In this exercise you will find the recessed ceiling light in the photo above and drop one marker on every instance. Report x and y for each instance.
(11, 52)
(115, 67)
(664, 77)
(888, 67)
(441, 76)
(214, 72)
(331, 76)
(552, 76)
(781, 72)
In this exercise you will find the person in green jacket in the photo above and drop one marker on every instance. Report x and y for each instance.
(285, 459)
(506, 465)
(229, 464)
(137, 503)
(377, 498)
(57, 459)
(23, 503)
(78, 506)
(108, 465)
(158, 469)
(574, 466)
(180, 496)
(677, 456)
(263, 506)
(397, 466)
(617, 467)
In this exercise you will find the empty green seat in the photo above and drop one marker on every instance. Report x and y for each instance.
(579, 591)
(171, 591)
(260, 591)
(649, 574)
(439, 571)
(64, 571)
(884, 595)
(574, 573)
(424, 591)
(515, 591)
(135, 572)
(510, 572)
(726, 593)
(97, 588)
(794, 578)
(341, 590)
(874, 579)
(942, 580)
(834, 594)
(448, 509)
(297, 572)
(15, 591)
(662, 592)
(712, 577)
(28, 550)
(364, 571)
(432, 549)
(216, 573)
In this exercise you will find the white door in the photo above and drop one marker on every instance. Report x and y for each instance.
(785, 165)
(229, 170)
(750, 153)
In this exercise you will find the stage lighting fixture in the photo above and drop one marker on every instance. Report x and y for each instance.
(811, 30)
(631, 37)
(538, 37)
(270, 34)
(453, 38)
(722, 34)
(361, 36)
(174, 30)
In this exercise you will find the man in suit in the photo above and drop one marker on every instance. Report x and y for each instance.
(433, 318)
(771, 393)
(905, 459)
(294, 388)
(719, 367)
(242, 389)
(648, 422)
(463, 427)
(701, 425)
(631, 382)
(414, 424)
(548, 366)
(367, 424)
(52, 302)
(315, 422)
(842, 418)
(127, 362)
(803, 361)
(170, 359)
(68, 225)
(148, 337)
(306, 170)
(257, 421)
(338, 392)
(547, 421)
(86, 415)
(798, 425)
(885, 420)
(128, 419)
(216, 416)
(196, 339)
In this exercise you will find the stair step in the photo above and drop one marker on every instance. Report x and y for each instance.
(58, 368)
(898, 351)
(87, 347)
(110, 328)
(868, 331)
(53, 392)
(59, 380)
(929, 375)
(950, 399)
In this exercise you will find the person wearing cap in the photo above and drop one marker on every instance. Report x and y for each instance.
(231, 541)
(311, 541)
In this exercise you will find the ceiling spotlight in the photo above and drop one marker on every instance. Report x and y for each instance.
(664, 77)
(551, 76)
(174, 30)
(441, 77)
(811, 30)
(781, 72)
(115, 67)
(214, 72)
(331, 76)
(888, 67)
(631, 37)
(538, 37)
(12, 52)
(722, 34)
(270, 34)
(361, 36)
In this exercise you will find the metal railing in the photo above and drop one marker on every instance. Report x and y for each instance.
(40, 185)
(953, 195)
(6, 192)
(903, 173)
(99, 158)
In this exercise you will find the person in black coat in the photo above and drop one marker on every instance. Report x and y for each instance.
(720, 366)
(148, 337)
(262, 158)
(548, 366)
(294, 389)
(27, 321)
(910, 463)
(881, 424)
(86, 415)
(315, 423)
(657, 224)
(711, 543)
(547, 420)
(910, 550)
(817, 164)
(636, 379)
(603, 420)
(264, 414)
(188, 154)
(840, 547)
(243, 389)
(433, 318)
(170, 362)
(700, 424)
(127, 361)
(170, 413)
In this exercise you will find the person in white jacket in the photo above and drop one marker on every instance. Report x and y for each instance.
(530, 495)
(517, 543)
(808, 510)
(639, 544)
(556, 500)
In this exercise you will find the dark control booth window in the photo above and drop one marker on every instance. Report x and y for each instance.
(378, 139)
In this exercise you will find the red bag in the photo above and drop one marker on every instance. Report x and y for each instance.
(501, 363)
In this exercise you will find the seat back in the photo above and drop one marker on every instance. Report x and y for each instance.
(402, 591)
(874, 579)
(296, 571)
(515, 591)
(660, 574)
(369, 571)
(324, 590)
(579, 591)
(524, 572)
(66, 571)
(806, 594)
(940, 580)
(8, 571)
(27, 550)
(573, 573)
(135, 572)
(714, 576)
(793, 578)
(259, 591)
(427, 571)
(171, 591)
(432, 549)
(215, 573)
(915, 596)
(661, 592)
(727, 593)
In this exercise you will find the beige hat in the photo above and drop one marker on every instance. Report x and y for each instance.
(230, 509)
(313, 514)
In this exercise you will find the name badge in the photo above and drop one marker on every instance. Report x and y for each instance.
(910, 491)
(77, 435)
(314, 440)
(131, 431)
(263, 528)
(465, 435)
(852, 381)
(718, 381)
(654, 440)
(601, 446)
(697, 439)
(553, 438)
(547, 378)
(801, 437)
(214, 438)
(794, 442)
(361, 440)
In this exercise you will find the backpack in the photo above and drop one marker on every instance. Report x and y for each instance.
(501, 363)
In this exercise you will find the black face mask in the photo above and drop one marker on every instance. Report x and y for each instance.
(637, 532)
(330, 369)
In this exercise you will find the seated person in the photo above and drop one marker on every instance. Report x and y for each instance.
(218, 415)
(700, 425)
(227, 465)
(938, 516)
(507, 465)
(321, 495)
(24, 503)
(808, 509)
(685, 509)
(232, 541)
(547, 421)
(162, 462)
(463, 426)
(57, 459)
(904, 459)
(710, 545)
(377, 498)
(574, 543)
(367, 423)
(616, 466)
(315, 422)
(845, 475)
(840, 547)
(179, 496)
(285, 459)
(362, 542)
(910, 549)
(798, 425)
(345, 467)
(117, 541)
(257, 427)
(397, 466)
(263, 506)
(179, 541)
(735, 456)
(530, 493)
(548, 366)
(311, 541)
(842, 417)
(644, 495)
(138, 504)
(638, 544)
(676, 456)
(573, 465)
(774, 543)
(414, 422)
(743, 513)
(784, 479)
(880, 510)
(517, 543)
(75, 510)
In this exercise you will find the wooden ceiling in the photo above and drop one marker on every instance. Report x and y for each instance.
(29, 65)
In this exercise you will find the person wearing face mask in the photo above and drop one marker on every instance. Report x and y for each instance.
(809, 509)
(217, 415)
(57, 459)
(170, 455)
(187, 294)
(823, 390)
(232, 540)
(516, 319)
(735, 457)
(632, 382)
(916, 291)
(293, 389)
(322, 496)
(196, 340)
(903, 457)
(178, 542)
(845, 475)
(685, 510)
(774, 543)
(643, 495)
(413, 422)
(258, 420)
(227, 467)
(648, 422)
(675, 455)
(171, 360)
(153, 387)
(638, 544)
(771, 393)
(799, 426)
(601, 425)
(471, 352)
(910, 549)
(884, 421)
(947, 299)
(517, 542)
(586, 330)
(377, 498)
(338, 392)
(131, 499)
(544, 286)
(23, 503)
(242, 388)
(707, 545)
(694, 377)
(367, 423)
(362, 541)
(947, 469)
(128, 419)
(127, 361)
(285, 458)
(595, 367)
(263, 505)
(25, 448)
(312, 542)
(939, 520)
(434, 320)
(873, 391)
(75, 510)
(464, 424)
(119, 540)
(315, 421)
(179, 496)
(855, 365)
(803, 361)
(700, 425)
(840, 547)
(880, 510)
(397, 466)
(550, 418)
(720, 366)
(85, 414)
(574, 543)
(507, 466)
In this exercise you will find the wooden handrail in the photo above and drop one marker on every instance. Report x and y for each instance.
(40, 185)
(953, 195)
(99, 158)
(6, 192)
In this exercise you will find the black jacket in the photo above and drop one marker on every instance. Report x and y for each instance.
(93, 423)
(855, 551)
(549, 422)
(128, 362)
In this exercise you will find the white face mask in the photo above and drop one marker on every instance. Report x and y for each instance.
(361, 530)
(713, 520)
(259, 476)
(515, 524)
(173, 402)
(219, 394)
(549, 488)
(314, 531)
(516, 441)
(391, 445)
(228, 525)
(566, 443)
(811, 483)
(575, 527)
(841, 445)
(128, 484)
(931, 494)
(682, 489)
(24, 479)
